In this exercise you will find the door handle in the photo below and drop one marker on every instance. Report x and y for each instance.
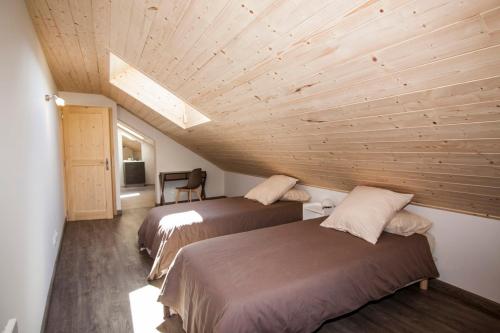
(107, 164)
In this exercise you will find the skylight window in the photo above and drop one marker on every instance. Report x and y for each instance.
(150, 93)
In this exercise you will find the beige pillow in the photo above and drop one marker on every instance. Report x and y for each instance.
(365, 212)
(271, 189)
(296, 195)
(405, 223)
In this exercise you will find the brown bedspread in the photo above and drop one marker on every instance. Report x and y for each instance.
(289, 278)
(166, 229)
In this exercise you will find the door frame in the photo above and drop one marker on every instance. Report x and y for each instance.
(111, 152)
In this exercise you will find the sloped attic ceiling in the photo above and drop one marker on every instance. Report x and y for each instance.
(396, 93)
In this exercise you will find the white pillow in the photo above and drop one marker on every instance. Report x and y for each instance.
(296, 195)
(365, 212)
(405, 223)
(271, 189)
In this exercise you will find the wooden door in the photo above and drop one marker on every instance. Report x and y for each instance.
(87, 160)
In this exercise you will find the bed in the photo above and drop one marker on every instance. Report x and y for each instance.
(288, 278)
(166, 229)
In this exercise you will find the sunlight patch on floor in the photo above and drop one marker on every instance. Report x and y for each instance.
(130, 195)
(137, 197)
(147, 312)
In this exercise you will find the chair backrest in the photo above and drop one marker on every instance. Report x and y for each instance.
(195, 178)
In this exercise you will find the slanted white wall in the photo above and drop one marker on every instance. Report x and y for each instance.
(171, 156)
(31, 188)
(73, 98)
(467, 247)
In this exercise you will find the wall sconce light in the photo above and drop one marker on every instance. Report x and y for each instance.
(59, 101)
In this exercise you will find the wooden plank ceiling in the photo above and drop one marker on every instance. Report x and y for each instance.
(393, 93)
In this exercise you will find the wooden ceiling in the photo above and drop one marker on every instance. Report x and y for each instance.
(393, 93)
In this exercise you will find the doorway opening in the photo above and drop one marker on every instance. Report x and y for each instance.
(136, 158)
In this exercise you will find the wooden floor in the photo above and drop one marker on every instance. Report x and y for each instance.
(100, 286)
(137, 197)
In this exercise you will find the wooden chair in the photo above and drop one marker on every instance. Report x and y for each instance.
(193, 185)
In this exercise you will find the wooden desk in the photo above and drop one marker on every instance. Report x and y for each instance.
(178, 175)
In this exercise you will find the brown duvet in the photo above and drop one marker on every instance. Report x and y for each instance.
(289, 278)
(166, 229)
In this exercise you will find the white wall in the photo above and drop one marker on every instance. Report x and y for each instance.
(72, 98)
(171, 156)
(121, 177)
(467, 247)
(148, 156)
(31, 191)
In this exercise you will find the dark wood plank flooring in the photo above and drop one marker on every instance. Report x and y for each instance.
(100, 271)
